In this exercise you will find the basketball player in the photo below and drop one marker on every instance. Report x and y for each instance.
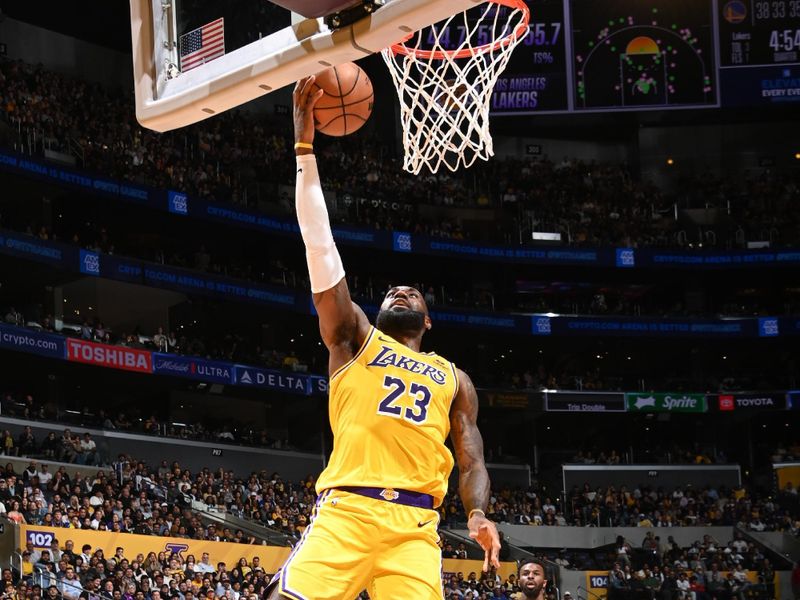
(532, 581)
(391, 408)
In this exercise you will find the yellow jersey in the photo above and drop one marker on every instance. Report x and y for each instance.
(389, 410)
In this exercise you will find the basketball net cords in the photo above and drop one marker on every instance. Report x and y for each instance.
(445, 117)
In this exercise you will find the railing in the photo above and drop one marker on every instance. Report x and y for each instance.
(76, 149)
(11, 558)
(590, 595)
(247, 525)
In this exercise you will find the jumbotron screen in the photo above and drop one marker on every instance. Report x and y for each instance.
(615, 55)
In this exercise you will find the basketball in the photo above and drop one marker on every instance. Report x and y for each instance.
(452, 96)
(347, 102)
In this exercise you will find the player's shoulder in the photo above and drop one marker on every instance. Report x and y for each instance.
(463, 378)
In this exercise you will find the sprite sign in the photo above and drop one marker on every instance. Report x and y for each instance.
(665, 402)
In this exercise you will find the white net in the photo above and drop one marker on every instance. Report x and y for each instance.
(444, 75)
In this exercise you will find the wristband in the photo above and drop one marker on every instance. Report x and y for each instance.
(475, 510)
(303, 145)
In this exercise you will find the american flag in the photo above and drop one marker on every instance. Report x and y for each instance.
(202, 45)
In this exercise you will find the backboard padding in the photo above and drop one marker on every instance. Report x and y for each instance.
(277, 60)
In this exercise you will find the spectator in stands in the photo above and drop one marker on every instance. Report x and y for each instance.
(26, 566)
(697, 587)
(617, 583)
(50, 446)
(67, 450)
(26, 444)
(7, 579)
(70, 586)
(87, 331)
(161, 341)
(683, 586)
(204, 566)
(447, 551)
(86, 450)
(14, 513)
(623, 550)
(669, 587)
(461, 551)
(651, 582)
(14, 317)
(7, 444)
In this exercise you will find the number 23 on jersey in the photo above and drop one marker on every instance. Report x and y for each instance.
(420, 393)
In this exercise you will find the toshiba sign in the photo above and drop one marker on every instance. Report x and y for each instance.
(114, 357)
(751, 401)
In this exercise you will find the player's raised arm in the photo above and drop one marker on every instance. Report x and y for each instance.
(343, 325)
(473, 479)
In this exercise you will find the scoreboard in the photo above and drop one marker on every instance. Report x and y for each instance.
(759, 32)
(617, 55)
(535, 79)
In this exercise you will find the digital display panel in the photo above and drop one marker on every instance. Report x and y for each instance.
(653, 54)
(535, 79)
(759, 32)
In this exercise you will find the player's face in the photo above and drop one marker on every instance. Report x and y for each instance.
(531, 580)
(403, 312)
(403, 297)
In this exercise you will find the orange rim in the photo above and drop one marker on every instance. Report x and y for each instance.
(520, 31)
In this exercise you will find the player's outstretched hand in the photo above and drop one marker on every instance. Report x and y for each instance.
(304, 100)
(483, 531)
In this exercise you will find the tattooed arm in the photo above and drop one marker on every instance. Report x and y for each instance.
(473, 484)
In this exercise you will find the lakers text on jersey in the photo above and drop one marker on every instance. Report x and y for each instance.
(390, 415)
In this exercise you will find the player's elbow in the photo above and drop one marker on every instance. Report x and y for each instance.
(471, 466)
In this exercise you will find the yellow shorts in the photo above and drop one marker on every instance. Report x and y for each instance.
(354, 543)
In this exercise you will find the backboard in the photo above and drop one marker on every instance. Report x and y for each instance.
(195, 58)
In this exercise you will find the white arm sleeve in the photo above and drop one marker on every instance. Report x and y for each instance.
(325, 267)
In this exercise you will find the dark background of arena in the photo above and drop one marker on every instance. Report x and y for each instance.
(244, 158)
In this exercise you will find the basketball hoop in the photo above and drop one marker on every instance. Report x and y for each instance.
(445, 74)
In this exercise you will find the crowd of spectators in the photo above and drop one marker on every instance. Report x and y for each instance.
(701, 555)
(646, 506)
(69, 573)
(70, 447)
(133, 497)
(483, 586)
(136, 498)
(229, 347)
(234, 154)
(219, 257)
(73, 447)
(786, 453)
(671, 454)
(576, 370)
(692, 577)
(641, 506)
